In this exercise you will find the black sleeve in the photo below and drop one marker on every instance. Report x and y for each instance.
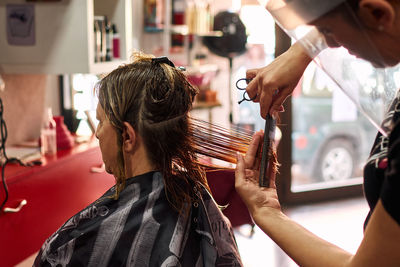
(390, 193)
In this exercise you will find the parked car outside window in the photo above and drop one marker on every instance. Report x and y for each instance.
(331, 139)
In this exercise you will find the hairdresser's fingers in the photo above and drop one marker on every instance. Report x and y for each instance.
(251, 153)
(240, 178)
(265, 101)
(252, 90)
(278, 100)
(251, 73)
(272, 177)
(248, 173)
(245, 179)
(251, 176)
(272, 181)
(257, 162)
(252, 87)
(268, 98)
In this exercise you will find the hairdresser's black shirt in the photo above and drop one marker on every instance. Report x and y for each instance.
(382, 171)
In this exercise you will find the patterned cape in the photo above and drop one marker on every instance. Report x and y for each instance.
(141, 229)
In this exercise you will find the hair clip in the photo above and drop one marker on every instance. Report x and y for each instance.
(163, 59)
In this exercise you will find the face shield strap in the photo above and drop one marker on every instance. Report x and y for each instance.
(313, 42)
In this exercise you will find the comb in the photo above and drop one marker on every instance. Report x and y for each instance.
(269, 135)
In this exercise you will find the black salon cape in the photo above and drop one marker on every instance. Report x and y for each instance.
(382, 171)
(141, 229)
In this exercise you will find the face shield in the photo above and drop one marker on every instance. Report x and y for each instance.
(341, 45)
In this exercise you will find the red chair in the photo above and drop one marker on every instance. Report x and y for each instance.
(222, 185)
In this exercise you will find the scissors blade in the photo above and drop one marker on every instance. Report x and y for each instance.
(269, 135)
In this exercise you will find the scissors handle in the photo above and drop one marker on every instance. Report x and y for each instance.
(269, 135)
(242, 79)
(245, 92)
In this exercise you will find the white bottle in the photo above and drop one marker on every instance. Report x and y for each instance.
(48, 135)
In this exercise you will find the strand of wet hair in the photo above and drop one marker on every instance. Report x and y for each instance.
(217, 142)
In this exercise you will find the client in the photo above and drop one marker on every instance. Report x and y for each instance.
(159, 212)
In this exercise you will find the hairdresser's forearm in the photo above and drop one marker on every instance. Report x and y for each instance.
(297, 50)
(305, 248)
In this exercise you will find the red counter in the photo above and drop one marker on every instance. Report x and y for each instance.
(54, 191)
(62, 186)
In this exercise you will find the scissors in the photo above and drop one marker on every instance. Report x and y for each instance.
(269, 135)
(240, 87)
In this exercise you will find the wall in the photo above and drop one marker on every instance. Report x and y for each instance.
(24, 100)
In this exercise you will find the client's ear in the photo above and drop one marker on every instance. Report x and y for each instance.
(129, 138)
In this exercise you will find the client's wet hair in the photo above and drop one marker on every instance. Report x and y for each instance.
(155, 98)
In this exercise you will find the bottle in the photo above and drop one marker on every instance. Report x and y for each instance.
(48, 135)
(115, 42)
(153, 15)
(109, 41)
(178, 18)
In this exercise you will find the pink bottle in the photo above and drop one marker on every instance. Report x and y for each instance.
(48, 135)
(115, 42)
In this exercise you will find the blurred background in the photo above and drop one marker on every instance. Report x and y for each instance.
(53, 52)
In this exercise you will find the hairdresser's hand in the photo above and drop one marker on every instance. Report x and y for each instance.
(257, 199)
(275, 82)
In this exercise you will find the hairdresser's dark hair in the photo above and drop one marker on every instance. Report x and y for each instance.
(353, 6)
(344, 8)
(155, 99)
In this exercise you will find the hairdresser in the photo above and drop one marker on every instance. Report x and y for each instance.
(369, 30)
(159, 212)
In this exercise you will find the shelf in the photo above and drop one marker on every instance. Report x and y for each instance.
(64, 38)
(206, 105)
(184, 30)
